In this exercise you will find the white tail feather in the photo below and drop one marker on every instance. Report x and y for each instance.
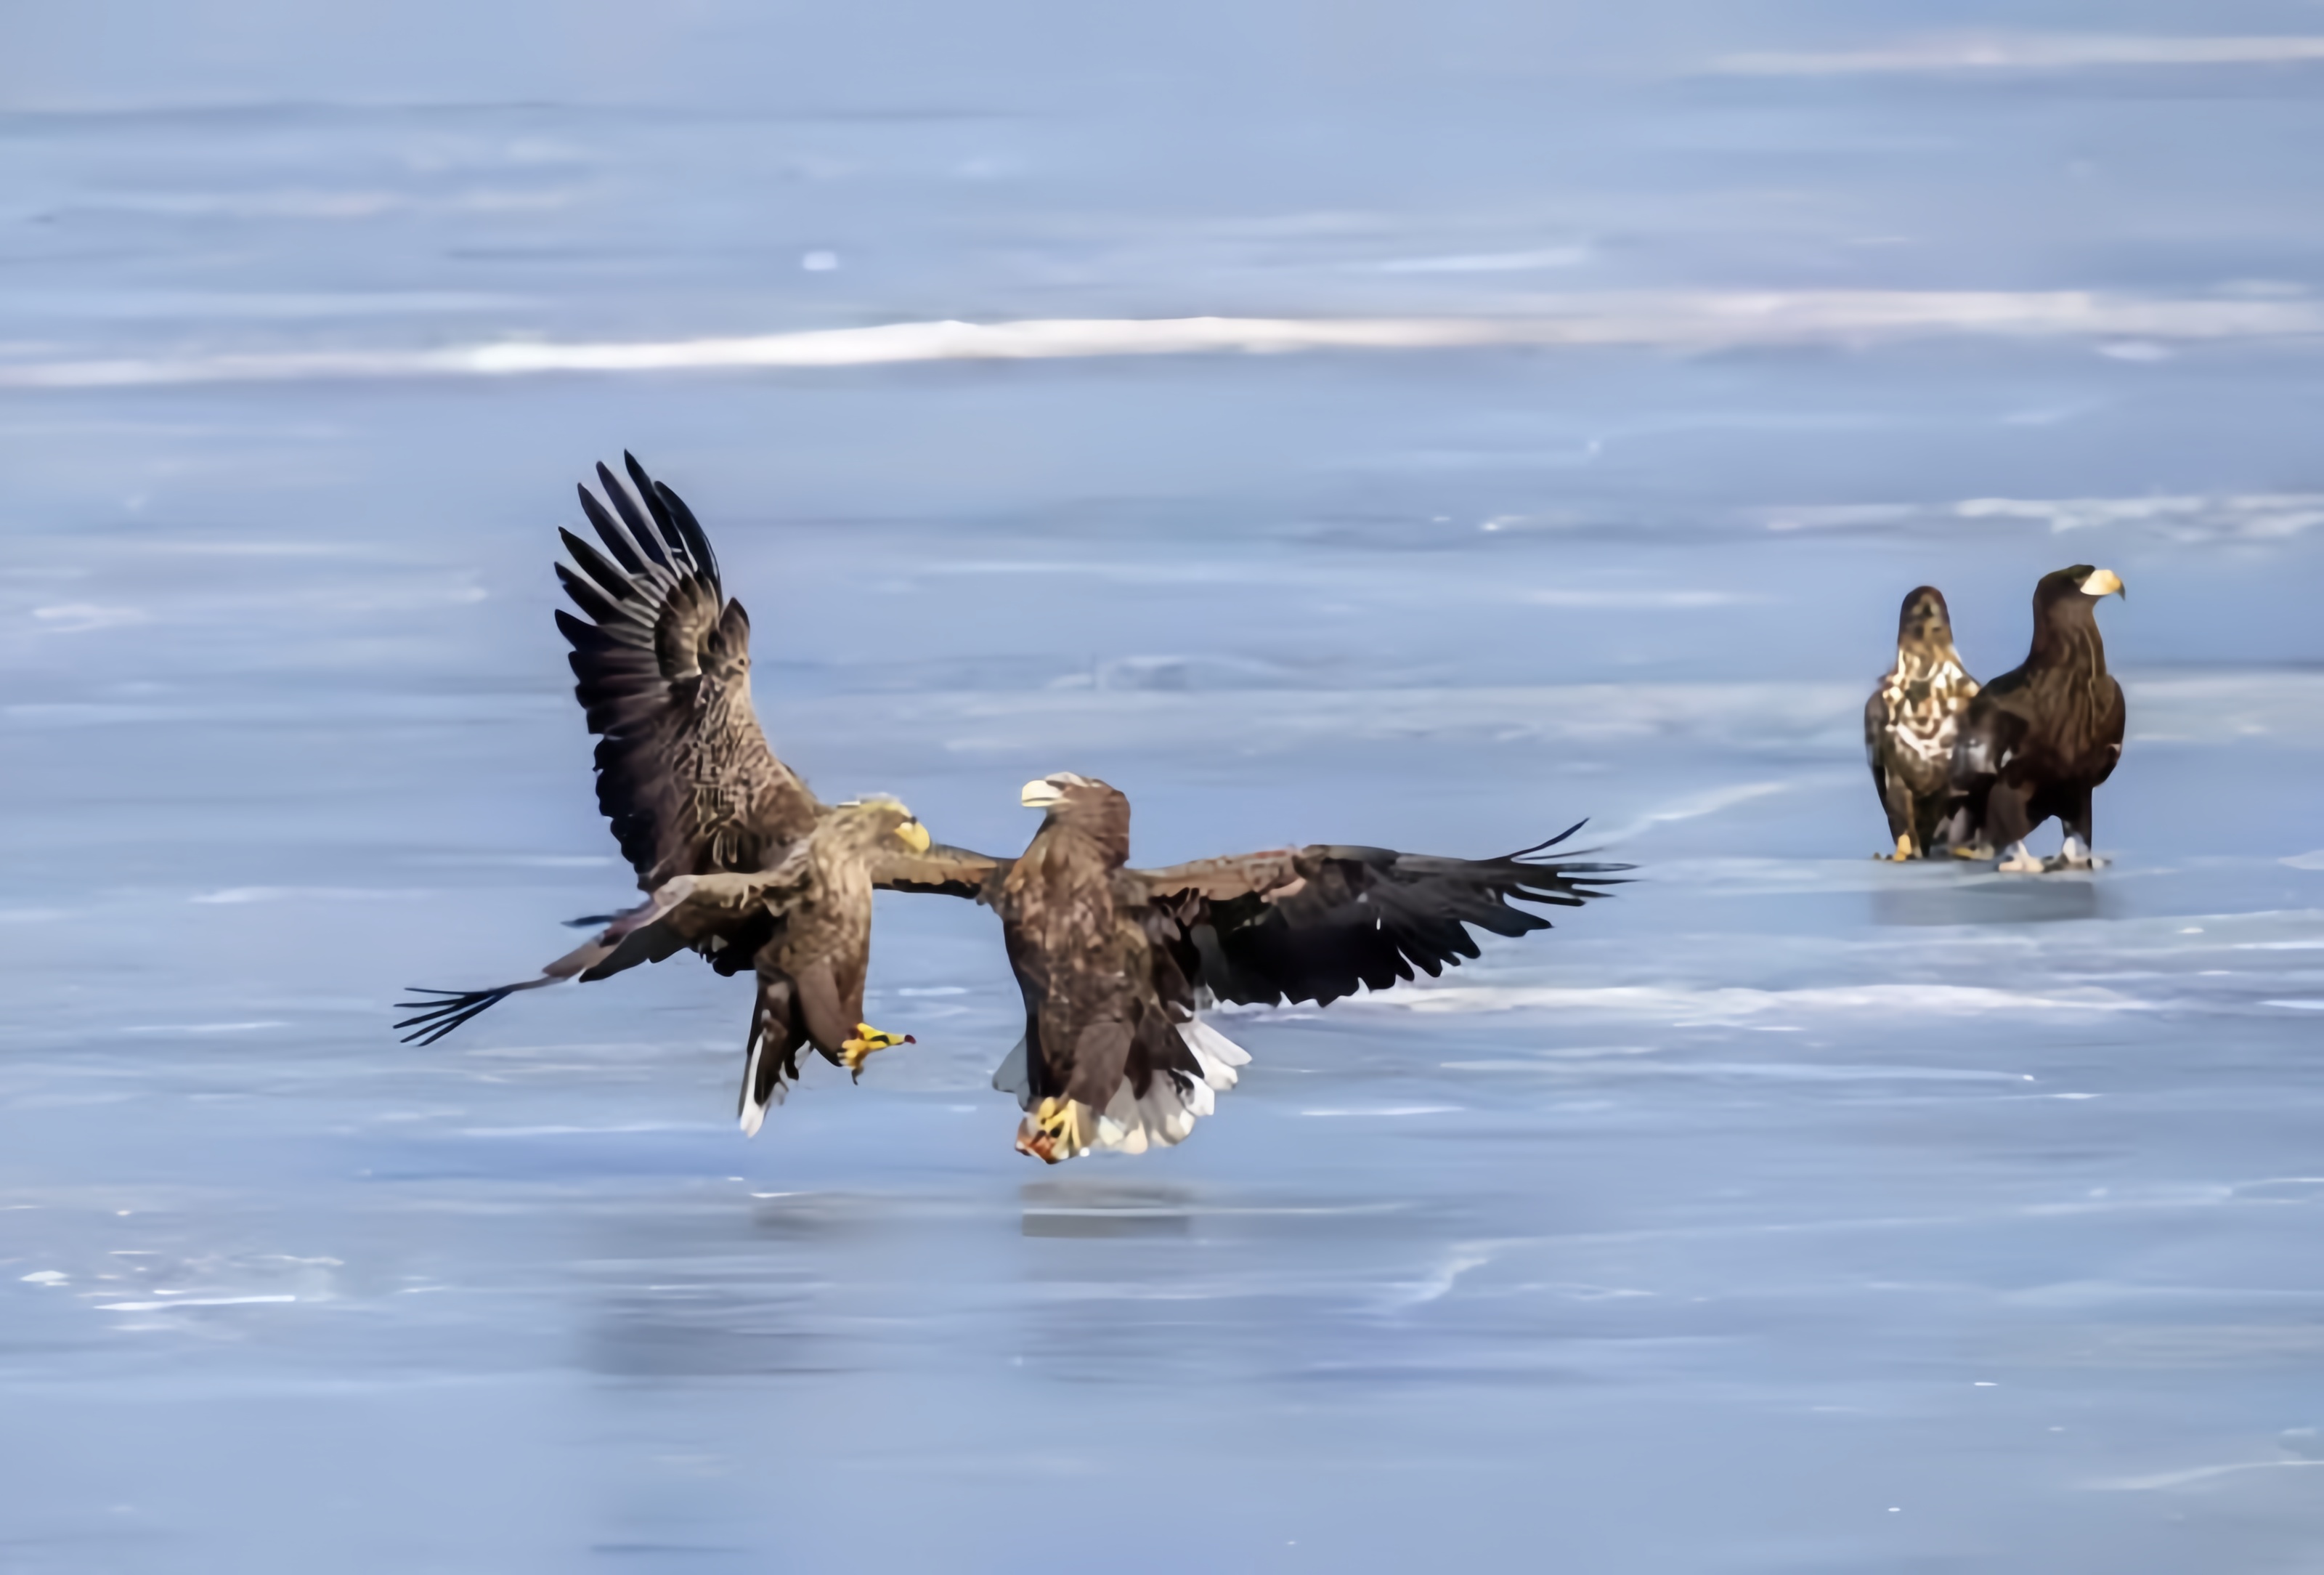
(749, 1111)
(1218, 1054)
(1166, 1115)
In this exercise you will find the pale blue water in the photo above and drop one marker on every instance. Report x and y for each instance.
(1787, 1212)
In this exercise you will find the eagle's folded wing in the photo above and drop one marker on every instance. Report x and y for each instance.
(1988, 736)
(684, 773)
(1314, 923)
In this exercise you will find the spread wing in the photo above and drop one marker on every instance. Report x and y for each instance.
(950, 872)
(1312, 923)
(684, 773)
(707, 912)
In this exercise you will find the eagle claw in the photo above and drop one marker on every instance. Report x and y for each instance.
(868, 1042)
(1054, 1132)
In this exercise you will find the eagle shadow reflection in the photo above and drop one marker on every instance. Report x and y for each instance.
(1983, 898)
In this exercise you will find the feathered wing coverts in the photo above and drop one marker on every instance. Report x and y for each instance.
(1114, 962)
(683, 772)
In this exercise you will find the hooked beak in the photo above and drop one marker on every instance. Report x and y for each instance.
(1041, 793)
(2105, 582)
(914, 836)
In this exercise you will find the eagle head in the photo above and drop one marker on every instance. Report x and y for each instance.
(1924, 620)
(1081, 803)
(2063, 585)
(2066, 597)
(874, 821)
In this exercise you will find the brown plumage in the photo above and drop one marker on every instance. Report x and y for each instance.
(1112, 962)
(2040, 737)
(683, 772)
(1910, 721)
(740, 862)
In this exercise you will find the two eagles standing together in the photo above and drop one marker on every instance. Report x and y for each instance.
(1972, 771)
(742, 865)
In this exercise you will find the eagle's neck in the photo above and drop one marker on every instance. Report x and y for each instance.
(1091, 847)
(837, 870)
(1928, 661)
(2066, 636)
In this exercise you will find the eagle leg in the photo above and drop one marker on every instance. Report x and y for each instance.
(1896, 799)
(2076, 854)
(868, 1042)
(2018, 860)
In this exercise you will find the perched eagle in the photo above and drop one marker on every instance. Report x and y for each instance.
(1113, 961)
(2041, 736)
(739, 861)
(1910, 721)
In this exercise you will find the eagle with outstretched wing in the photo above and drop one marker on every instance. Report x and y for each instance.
(1114, 962)
(739, 861)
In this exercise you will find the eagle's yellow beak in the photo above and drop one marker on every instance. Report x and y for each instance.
(2105, 582)
(914, 836)
(1040, 793)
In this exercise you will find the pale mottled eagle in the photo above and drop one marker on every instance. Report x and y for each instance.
(739, 861)
(1112, 962)
(2041, 736)
(1910, 721)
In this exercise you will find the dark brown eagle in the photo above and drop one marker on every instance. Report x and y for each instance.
(739, 861)
(1910, 721)
(1114, 962)
(2040, 737)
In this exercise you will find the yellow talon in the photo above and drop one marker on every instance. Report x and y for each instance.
(868, 1040)
(1054, 1132)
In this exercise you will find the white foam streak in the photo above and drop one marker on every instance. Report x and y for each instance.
(1695, 807)
(2163, 1480)
(2027, 51)
(191, 1302)
(1732, 1004)
(1676, 320)
(1634, 600)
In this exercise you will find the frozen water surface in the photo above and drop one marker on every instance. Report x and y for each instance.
(1788, 1212)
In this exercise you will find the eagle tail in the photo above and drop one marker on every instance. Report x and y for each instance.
(1172, 1102)
(1174, 1099)
(1218, 1054)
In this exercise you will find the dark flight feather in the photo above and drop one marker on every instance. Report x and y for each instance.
(1317, 923)
(684, 774)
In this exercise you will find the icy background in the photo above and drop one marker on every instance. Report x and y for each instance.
(1788, 1212)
